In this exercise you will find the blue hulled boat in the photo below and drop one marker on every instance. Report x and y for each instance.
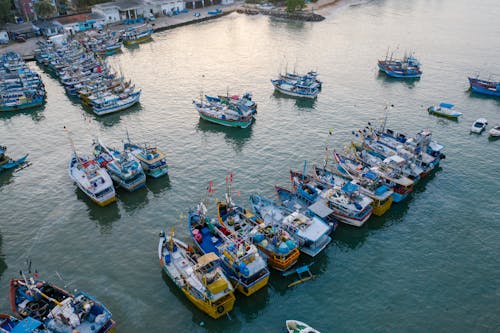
(408, 67)
(485, 87)
(7, 163)
(298, 89)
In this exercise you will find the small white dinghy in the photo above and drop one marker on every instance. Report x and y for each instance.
(495, 131)
(479, 126)
(295, 326)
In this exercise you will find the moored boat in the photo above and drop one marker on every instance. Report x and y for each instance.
(408, 67)
(295, 326)
(444, 110)
(485, 87)
(224, 114)
(123, 167)
(7, 163)
(94, 181)
(152, 159)
(241, 260)
(296, 89)
(495, 131)
(59, 310)
(136, 35)
(200, 278)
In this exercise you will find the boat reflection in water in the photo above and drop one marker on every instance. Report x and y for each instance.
(236, 137)
(104, 216)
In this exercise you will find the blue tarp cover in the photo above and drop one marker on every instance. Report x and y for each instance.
(26, 325)
(350, 188)
(371, 175)
(446, 105)
(381, 190)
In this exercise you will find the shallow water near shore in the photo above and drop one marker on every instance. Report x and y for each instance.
(430, 264)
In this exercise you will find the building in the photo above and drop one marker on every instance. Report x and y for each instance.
(22, 30)
(50, 28)
(81, 22)
(27, 8)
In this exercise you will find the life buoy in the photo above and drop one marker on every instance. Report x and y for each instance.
(220, 309)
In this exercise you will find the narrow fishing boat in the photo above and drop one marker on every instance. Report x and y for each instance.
(485, 87)
(200, 278)
(94, 181)
(152, 159)
(296, 89)
(224, 114)
(9, 324)
(243, 101)
(444, 110)
(310, 233)
(241, 260)
(58, 310)
(348, 204)
(295, 326)
(136, 35)
(369, 184)
(7, 163)
(123, 167)
(272, 240)
(408, 67)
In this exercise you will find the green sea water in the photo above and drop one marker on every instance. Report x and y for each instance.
(430, 264)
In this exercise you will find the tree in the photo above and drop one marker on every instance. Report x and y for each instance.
(5, 11)
(44, 8)
(293, 5)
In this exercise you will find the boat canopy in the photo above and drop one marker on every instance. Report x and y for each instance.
(381, 190)
(435, 146)
(371, 175)
(26, 325)
(206, 259)
(350, 188)
(446, 105)
(320, 208)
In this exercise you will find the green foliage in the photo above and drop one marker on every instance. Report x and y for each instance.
(293, 5)
(5, 11)
(44, 8)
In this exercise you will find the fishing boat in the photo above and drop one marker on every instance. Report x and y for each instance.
(9, 324)
(479, 126)
(94, 181)
(348, 204)
(21, 100)
(273, 241)
(310, 78)
(485, 87)
(295, 326)
(444, 110)
(408, 67)
(369, 184)
(241, 260)
(123, 167)
(136, 35)
(310, 233)
(57, 309)
(244, 101)
(152, 159)
(115, 103)
(200, 278)
(495, 131)
(296, 89)
(223, 114)
(7, 163)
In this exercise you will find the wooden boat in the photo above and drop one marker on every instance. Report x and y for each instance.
(115, 103)
(199, 278)
(485, 87)
(6, 163)
(123, 167)
(369, 184)
(274, 242)
(57, 309)
(302, 90)
(408, 67)
(345, 200)
(152, 159)
(224, 114)
(444, 110)
(295, 326)
(244, 101)
(136, 35)
(241, 260)
(310, 233)
(9, 324)
(94, 181)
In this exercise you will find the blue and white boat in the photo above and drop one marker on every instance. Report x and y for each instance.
(310, 78)
(408, 67)
(444, 110)
(241, 260)
(115, 103)
(153, 160)
(122, 166)
(7, 163)
(310, 233)
(485, 87)
(300, 89)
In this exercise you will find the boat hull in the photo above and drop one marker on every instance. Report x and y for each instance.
(293, 94)
(138, 40)
(224, 122)
(24, 106)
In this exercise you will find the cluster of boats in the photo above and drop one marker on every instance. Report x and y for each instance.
(231, 111)
(89, 77)
(127, 168)
(20, 87)
(42, 307)
(298, 85)
(102, 44)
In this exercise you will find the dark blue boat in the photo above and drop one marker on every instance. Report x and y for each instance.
(485, 87)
